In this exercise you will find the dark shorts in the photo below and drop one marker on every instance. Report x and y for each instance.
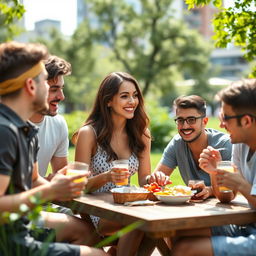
(37, 244)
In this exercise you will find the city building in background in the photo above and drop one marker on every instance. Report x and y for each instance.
(42, 29)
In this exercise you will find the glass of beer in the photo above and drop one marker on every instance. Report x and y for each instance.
(226, 166)
(121, 167)
(75, 168)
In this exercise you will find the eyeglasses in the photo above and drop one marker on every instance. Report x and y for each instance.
(227, 117)
(189, 120)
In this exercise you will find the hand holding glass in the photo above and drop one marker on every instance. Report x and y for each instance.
(226, 166)
(194, 184)
(121, 170)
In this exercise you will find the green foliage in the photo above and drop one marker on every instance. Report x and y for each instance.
(192, 3)
(147, 40)
(161, 125)
(78, 52)
(90, 64)
(75, 120)
(10, 225)
(10, 12)
(143, 39)
(236, 24)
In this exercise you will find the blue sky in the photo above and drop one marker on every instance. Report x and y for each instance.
(63, 10)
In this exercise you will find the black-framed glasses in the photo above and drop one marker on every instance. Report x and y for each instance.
(227, 117)
(189, 120)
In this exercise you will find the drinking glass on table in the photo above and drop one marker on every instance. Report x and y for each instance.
(194, 184)
(226, 166)
(121, 170)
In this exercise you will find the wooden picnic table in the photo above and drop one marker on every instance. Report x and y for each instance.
(162, 220)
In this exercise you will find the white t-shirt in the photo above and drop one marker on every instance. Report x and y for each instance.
(53, 140)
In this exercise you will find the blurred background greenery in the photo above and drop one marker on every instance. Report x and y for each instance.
(163, 51)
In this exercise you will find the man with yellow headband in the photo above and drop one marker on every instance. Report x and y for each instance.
(24, 91)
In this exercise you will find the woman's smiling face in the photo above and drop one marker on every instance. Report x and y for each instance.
(125, 102)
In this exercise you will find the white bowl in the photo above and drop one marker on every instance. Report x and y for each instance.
(173, 199)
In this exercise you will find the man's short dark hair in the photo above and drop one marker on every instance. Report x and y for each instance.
(241, 96)
(16, 58)
(191, 101)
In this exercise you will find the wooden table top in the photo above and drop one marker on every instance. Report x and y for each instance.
(162, 219)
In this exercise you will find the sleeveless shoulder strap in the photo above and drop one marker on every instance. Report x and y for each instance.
(93, 130)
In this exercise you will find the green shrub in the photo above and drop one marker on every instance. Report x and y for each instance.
(10, 223)
(75, 120)
(162, 127)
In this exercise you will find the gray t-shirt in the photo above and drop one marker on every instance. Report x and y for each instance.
(177, 153)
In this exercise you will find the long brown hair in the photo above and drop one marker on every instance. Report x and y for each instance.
(100, 116)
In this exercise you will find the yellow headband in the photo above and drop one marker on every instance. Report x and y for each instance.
(14, 84)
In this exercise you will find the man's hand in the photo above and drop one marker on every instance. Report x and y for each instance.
(203, 192)
(65, 188)
(208, 159)
(160, 178)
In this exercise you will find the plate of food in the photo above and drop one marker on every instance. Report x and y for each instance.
(175, 195)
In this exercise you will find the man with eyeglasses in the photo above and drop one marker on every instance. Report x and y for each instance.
(238, 117)
(185, 148)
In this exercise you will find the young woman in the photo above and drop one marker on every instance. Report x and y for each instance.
(117, 128)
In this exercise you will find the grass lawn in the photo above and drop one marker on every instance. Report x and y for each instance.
(155, 157)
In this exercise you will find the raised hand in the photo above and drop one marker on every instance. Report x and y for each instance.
(208, 159)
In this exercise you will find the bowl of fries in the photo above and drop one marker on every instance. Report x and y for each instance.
(174, 195)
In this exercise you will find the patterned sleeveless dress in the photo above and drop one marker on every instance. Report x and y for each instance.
(99, 164)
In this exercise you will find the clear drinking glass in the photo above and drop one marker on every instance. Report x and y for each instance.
(226, 166)
(121, 167)
(75, 168)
